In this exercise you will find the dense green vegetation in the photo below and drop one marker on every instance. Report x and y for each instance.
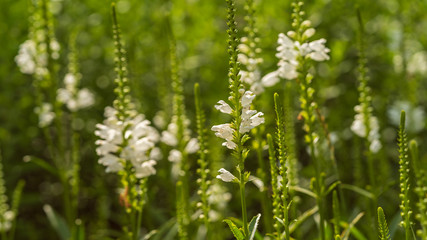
(328, 124)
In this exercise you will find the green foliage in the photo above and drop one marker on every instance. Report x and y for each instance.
(373, 63)
(404, 171)
(382, 225)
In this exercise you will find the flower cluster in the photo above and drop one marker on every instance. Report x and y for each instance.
(415, 115)
(249, 119)
(72, 97)
(360, 129)
(247, 58)
(45, 113)
(290, 50)
(130, 140)
(32, 58)
(6, 221)
(170, 138)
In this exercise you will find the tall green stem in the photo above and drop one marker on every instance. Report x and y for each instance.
(243, 202)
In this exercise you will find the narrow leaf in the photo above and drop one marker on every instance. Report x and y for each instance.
(253, 225)
(57, 222)
(382, 225)
(236, 232)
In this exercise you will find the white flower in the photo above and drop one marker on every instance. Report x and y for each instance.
(250, 73)
(85, 98)
(415, 116)
(26, 57)
(288, 52)
(375, 146)
(131, 140)
(319, 51)
(175, 156)
(159, 119)
(359, 128)
(309, 33)
(192, 146)
(250, 119)
(223, 107)
(247, 99)
(223, 131)
(156, 154)
(6, 222)
(418, 63)
(146, 169)
(46, 115)
(73, 98)
(112, 163)
(257, 182)
(270, 79)
(226, 176)
(169, 138)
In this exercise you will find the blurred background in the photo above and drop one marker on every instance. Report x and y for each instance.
(396, 40)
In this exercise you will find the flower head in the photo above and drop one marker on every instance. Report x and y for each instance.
(226, 176)
(131, 140)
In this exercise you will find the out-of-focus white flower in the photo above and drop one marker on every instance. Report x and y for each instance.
(318, 50)
(159, 119)
(45, 113)
(130, 140)
(72, 97)
(359, 128)
(156, 154)
(32, 58)
(192, 146)
(6, 222)
(26, 57)
(146, 169)
(415, 116)
(175, 156)
(247, 57)
(418, 63)
(226, 176)
(270, 79)
(257, 182)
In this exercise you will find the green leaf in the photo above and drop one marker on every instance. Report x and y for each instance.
(359, 190)
(236, 232)
(382, 225)
(253, 225)
(41, 163)
(307, 214)
(57, 222)
(350, 226)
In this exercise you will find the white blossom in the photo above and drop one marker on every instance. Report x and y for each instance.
(249, 119)
(192, 146)
(223, 107)
(415, 116)
(130, 140)
(175, 156)
(288, 52)
(72, 97)
(226, 176)
(6, 222)
(247, 57)
(45, 113)
(26, 57)
(359, 128)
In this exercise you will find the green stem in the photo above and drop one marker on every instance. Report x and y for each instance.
(138, 223)
(243, 202)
